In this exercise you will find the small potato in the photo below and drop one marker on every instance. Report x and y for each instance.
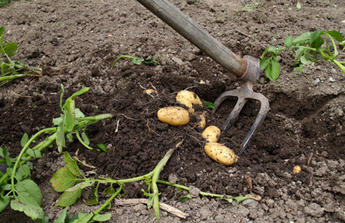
(188, 99)
(296, 169)
(201, 121)
(220, 153)
(211, 134)
(175, 116)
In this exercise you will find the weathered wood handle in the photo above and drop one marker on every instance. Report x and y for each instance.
(193, 32)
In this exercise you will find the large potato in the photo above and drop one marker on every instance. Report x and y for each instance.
(211, 134)
(174, 115)
(220, 153)
(188, 98)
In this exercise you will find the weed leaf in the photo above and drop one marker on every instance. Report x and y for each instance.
(32, 211)
(298, 5)
(68, 198)
(24, 140)
(336, 35)
(71, 164)
(288, 41)
(11, 49)
(4, 201)
(63, 179)
(302, 39)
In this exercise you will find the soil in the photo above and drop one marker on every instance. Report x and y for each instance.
(76, 43)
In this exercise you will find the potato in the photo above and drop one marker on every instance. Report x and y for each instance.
(174, 115)
(296, 169)
(188, 98)
(201, 121)
(220, 153)
(211, 134)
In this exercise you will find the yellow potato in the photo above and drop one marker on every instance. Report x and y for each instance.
(211, 134)
(201, 121)
(188, 98)
(174, 115)
(220, 153)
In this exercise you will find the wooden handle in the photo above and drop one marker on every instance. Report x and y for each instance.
(185, 26)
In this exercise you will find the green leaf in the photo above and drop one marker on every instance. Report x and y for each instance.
(298, 5)
(273, 70)
(60, 136)
(63, 179)
(69, 114)
(109, 190)
(264, 62)
(304, 60)
(269, 49)
(71, 164)
(68, 198)
(4, 201)
(4, 154)
(303, 39)
(57, 121)
(299, 52)
(2, 30)
(23, 172)
(336, 35)
(103, 147)
(28, 192)
(24, 140)
(81, 186)
(70, 137)
(288, 41)
(315, 35)
(34, 153)
(136, 60)
(11, 49)
(35, 212)
(85, 138)
(80, 92)
(318, 43)
(94, 199)
(102, 217)
(62, 217)
(78, 113)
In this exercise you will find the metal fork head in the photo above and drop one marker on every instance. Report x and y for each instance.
(244, 93)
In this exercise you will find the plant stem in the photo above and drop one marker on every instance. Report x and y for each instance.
(23, 152)
(108, 201)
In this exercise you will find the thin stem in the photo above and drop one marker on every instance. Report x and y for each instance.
(83, 143)
(108, 201)
(23, 152)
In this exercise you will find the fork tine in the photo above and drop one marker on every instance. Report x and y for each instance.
(234, 114)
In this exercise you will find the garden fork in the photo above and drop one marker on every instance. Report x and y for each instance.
(246, 68)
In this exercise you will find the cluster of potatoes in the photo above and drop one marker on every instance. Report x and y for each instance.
(178, 116)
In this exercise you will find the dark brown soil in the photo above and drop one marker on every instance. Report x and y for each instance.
(79, 40)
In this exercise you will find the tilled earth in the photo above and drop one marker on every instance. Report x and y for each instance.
(76, 43)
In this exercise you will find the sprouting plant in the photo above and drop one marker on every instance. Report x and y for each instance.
(16, 187)
(13, 69)
(65, 180)
(306, 48)
(138, 60)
